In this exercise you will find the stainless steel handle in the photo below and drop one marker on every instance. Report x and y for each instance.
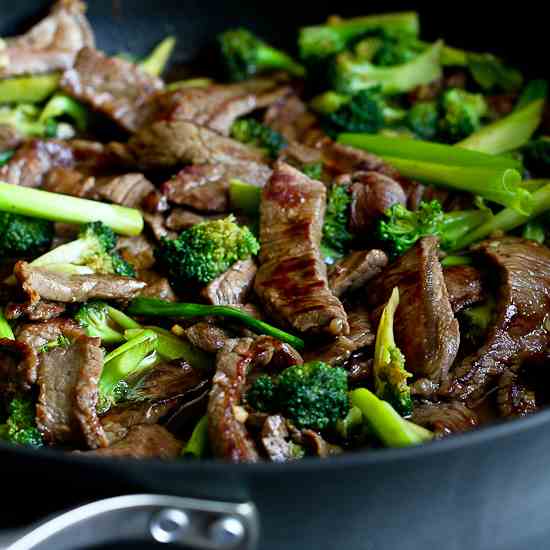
(192, 523)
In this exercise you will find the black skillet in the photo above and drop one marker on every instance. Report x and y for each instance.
(488, 490)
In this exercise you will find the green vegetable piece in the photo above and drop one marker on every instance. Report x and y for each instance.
(28, 89)
(25, 119)
(6, 331)
(461, 114)
(157, 60)
(534, 90)
(245, 197)
(20, 426)
(536, 156)
(335, 228)
(5, 156)
(62, 105)
(21, 236)
(535, 230)
(313, 170)
(94, 317)
(423, 119)
(198, 445)
(261, 395)
(252, 132)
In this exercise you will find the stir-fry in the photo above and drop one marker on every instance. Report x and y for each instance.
(302, 254)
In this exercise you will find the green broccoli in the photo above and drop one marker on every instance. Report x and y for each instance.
(20, 426)
(536, 156)
(252, 132)
(402, 228)
(312, 395)
(313, 170)
(462, 113)
(336, 236)
(206, 250)
(390, 375)
(93, 251)
(245, 55)
(99, 319)
(25, 119)
(322, 41)
(60, 342)
(351, 74)
(535, 230)
(423, 119)
(396, 49)
(198, 444)
(5, 156)
(6, 331)
(21, 236)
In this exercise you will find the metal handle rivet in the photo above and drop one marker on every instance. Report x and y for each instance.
(168, 525)
(227, 531)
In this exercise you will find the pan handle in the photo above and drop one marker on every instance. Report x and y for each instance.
(184, 522)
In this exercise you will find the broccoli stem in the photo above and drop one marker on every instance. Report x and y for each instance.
(451, 261)
(495, 178)
(197, 446)
(63, 105)
(157, 60)
(533, 91)
(161, 308)
(534, 231)
(458, 223)
(28, 89)
(245, 197)
(5, 329)
(276, 59)
(391, 428)
(508, 133)
(64, 208)
(507, 219)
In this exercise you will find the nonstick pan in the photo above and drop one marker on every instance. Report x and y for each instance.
(488, 490)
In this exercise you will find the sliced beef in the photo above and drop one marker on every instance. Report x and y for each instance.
(181, 218)
(39, 283)
(17, 366)
(316, 445)
(207, 336)
(444, 418)
(347, 160)
(355, 270)
(520, 324)
(229, 437)
(292, 279)
(144, 441)
(338, 351)
(68, 378)
(52, 44)
(128, 190)
(372, 194)
(464, 285)
(426, 331)
(34, 160)
(112, 86)
(276, 442)
(233, 286)
(205, 187)
(69, 181)
(138, 251)
(163, 144)
(10, 137)
(216, 106)
(157, 286)
(34, 311)
(155, 222)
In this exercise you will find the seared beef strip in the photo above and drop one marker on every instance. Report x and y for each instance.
(207, 336)
(38, 283)
(155, 222)
(275, 439)
(52, 44)
(356, 269)
(128, 190)
(292, 279)
(157, 286)
(229, 437)
(181, 218)
(520, 325)
(18, 364)
(164, 144)
(231, 287)
(464, 285)
(205, 187)
(113, 86)
(68, 378)
(35, 311)
(144, 441)
(315, 444)
(69, 181)
(426, 330)
(514, 397)
(10, 137)
(444, 418)
(138, 251)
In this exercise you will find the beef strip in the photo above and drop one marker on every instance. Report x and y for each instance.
(229, 437)
(444, 418)
(69, 181)
(205, 187)
(426, 331)
(361, 334)
(347, 160)
(10, 137)
(164, 144)
(128, 190)
(137, 251)
(68, 378)
(207, 336)
(157, 286)
(292, 279)
(233, 286)
(520, 323)
(155, 222)
(464, 285)
(112, 86)
(17, 366)
(180, 219)
(355, 270)
(275, 439)
(216, 106)
(34, 160)
(39, 283)
(144, 441)
(315, 444)
(35, 311)
(52, 44)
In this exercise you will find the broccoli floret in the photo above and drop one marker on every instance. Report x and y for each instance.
(93, 250)
(20, 426)
(536, 156)
(402, 228)
(390, 375)
(313, 170)
(245, 55)
(423, 119)
(5, 328)
(397, 49)
(535, 230)
(206, 250)
(492, 74)
(95, 318)
(250, 131)
(261, 394)
(335, 228)
(312, 395)
(21, 236)
(350, 73)
(322, 41)
(27, 122)
(461, 114)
